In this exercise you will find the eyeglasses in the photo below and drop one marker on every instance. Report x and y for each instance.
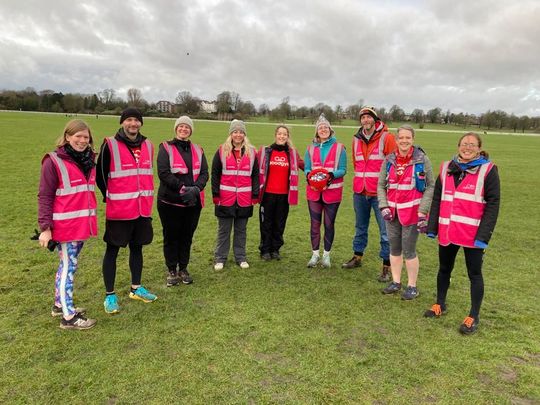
(468, 145)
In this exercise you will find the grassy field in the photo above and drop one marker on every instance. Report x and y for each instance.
(278, 332)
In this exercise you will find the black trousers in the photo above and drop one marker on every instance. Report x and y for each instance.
(273, 213)
(473, 260)
(179, 225)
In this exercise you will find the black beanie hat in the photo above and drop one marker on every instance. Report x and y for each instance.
(131, 112)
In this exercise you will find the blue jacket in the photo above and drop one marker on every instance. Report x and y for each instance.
(324, 149)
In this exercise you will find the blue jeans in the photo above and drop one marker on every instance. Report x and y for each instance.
(362, 208)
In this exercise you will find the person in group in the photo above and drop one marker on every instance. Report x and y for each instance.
(125, 178)
(278, 177)
(371, 144)
(328, 154)
(67, 213)
(183, 173)
(404, 191)
(463, 214)
(235, 189)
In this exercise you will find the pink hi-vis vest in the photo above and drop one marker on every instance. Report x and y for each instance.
(293, 175)
(334, 192)
(130, 186)
(235, 185)
(74, 207)
(461, 208)
(178, 165)
(403, 196)
(366, 172)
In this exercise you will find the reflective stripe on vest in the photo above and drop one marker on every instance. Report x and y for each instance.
(292, 195)
(235, 185)
(334, 192)
(403, 196)
(366, 171)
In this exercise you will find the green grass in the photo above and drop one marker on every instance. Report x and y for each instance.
(278, 332)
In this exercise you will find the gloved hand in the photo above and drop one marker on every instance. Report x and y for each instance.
(189, 195)
(421, 225)
(387, 214)
(480, 244)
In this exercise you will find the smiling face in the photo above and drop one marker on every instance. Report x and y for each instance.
(368, 123)
(183, 132)
(131, 126)
(323, 132)
(237, 138)
(405, 140)
(282, 136)
(468, 148)
(79, 141)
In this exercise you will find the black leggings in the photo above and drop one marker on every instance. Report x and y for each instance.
(473, 260)
(109, 265)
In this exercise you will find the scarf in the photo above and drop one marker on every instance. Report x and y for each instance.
(84, 159)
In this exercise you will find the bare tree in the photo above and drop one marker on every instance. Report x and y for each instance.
(187, 104)
(134, 97)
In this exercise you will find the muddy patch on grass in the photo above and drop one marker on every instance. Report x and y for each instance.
(507, 374)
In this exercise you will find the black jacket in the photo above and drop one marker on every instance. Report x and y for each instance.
(171, 183)
(234, 210)
(492, 196)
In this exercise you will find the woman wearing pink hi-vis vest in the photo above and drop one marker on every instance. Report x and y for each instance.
(126, 180)
(67, 213)
(183, 173)
(325, 153)
(404, 191)
(279, 164)
(235, 189)
(463, 214)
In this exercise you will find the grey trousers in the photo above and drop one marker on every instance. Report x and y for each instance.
(223, 242)
(402, 239)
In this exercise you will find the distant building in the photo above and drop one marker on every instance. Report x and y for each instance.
(208, 106)
(164, 106)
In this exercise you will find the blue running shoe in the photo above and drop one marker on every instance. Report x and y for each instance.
(111, 304)
(142, 294)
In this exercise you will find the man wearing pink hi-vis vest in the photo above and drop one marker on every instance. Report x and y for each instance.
(126, 180)
(370, 146)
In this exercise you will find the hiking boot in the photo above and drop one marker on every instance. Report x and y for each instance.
(410, 293)
(78, 322)
(111, 304)
(313, 261)
(57, 311)
(266, 257)
(469, 325)
(172, 278)
(275, 256)
(325, 262)
(435, 311)
(218, 266)
(356, 261)
(142, 294)
(185, 277)
(392, 288)
(386, 274)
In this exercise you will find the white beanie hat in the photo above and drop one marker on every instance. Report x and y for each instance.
(184, 119)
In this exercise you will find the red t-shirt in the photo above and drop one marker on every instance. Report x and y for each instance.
(278, 173)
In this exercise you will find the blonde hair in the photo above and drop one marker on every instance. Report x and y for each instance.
(71, 128)
(228, 146)
(289, 140)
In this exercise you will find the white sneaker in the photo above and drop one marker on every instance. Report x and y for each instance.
(325, 262)
(313, 261)
(218, 266)
(244, 265)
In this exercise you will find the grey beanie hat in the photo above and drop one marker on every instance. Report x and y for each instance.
(184, 119)
(237, 125)
(323, 121)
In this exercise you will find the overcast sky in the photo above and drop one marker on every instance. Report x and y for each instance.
(467, 56)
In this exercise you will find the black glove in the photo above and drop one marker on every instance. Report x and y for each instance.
(189, 195)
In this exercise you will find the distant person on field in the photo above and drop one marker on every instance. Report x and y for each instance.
(325, 167)
(126, 180)
(463, 214)
(278, 177)
(235, 190)
(405, 191)
(67, 213)
(371, 144)
(183, 173)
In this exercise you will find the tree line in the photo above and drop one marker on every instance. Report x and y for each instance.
(229, 104)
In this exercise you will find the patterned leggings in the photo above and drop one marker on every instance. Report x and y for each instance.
(316, 210)
(63, 292)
